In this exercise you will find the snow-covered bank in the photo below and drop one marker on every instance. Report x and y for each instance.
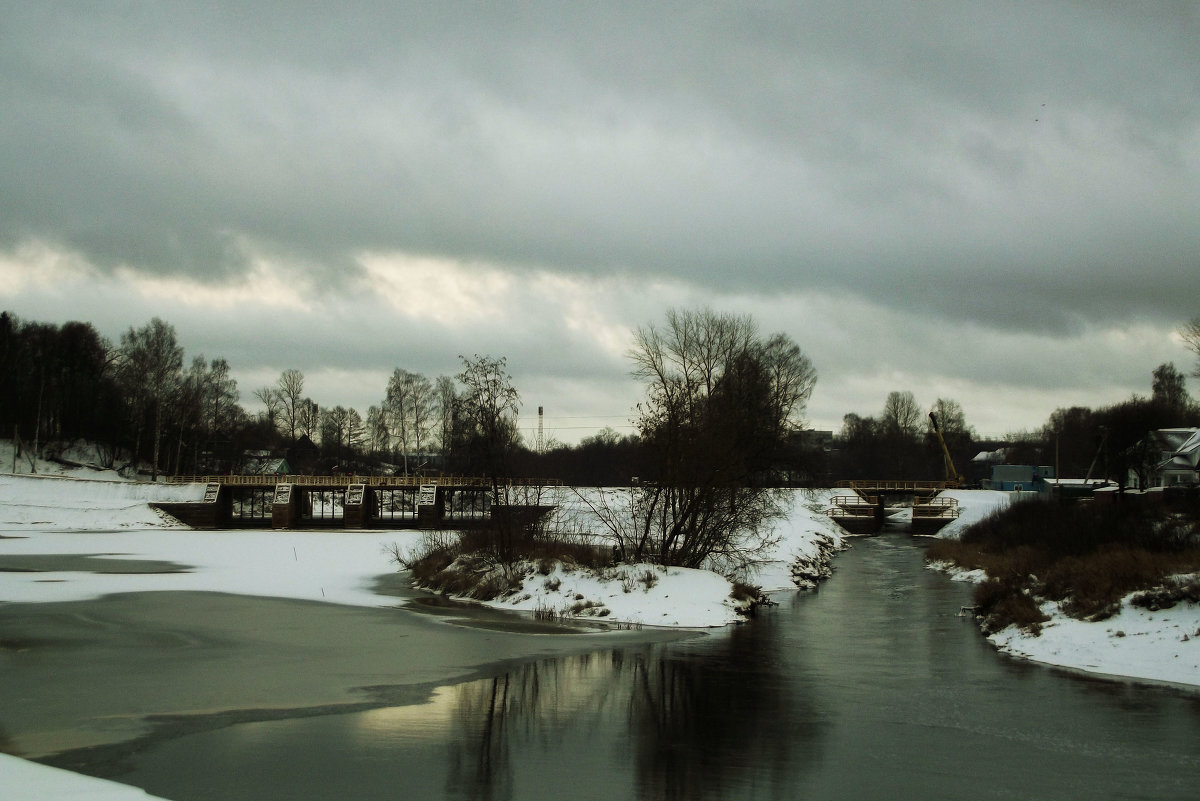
(1137, 643)
(76, 494)
(1159, 646)
(60, 516)
(641, 594)
(29, 781)
(646, 594)
(73, 460)
(42, 517)
(973, 506)
(61, 503)
(808, 541)
(336, 567)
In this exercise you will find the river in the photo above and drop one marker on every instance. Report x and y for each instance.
(873, 687)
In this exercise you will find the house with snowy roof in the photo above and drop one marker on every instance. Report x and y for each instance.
(263, 463)
(1180, 450)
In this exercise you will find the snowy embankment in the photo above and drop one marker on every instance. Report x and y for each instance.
(77, 494)
(44, 516)
(30, 781)
(1162, 645)
(59, 503)
(652, 595)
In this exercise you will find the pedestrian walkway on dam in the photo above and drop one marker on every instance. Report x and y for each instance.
(356, 502)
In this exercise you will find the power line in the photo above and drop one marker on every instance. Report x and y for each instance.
(583, 428)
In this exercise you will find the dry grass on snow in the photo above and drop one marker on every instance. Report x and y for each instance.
(1086, 557)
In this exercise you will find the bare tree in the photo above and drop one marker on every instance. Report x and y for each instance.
(950, 417)
(901, 415)
(208, 406)
(378, 435)
(396, 403)
(720, 401)
(335, 424)
(151, 361)
(356, 432)
(221, 397)
(273, 403)
(900, 425)
(308, 417)
(188, 406)
(446, 395)
(792, 379)
(422, 407)
(1190, 333)
(488, 405)
(1168, 387)
(290, 388)
(410, 405)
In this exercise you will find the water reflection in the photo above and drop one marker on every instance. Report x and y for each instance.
(721, 717)
(481, 763)
(700, 721)
(871, 688)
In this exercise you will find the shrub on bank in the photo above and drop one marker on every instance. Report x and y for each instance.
(1172, 591)
(483, 563)
(472, 565)
(1086, 557)
(1005, 602)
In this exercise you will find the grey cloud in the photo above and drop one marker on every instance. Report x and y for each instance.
(899, 153)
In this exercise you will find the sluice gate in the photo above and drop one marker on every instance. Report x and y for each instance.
(352, 502)
(867, 510)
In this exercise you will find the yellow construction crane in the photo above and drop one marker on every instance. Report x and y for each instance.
(953, 478)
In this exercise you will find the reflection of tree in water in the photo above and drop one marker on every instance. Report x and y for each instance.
(707, 720)
(720, 721)
(529, 705)
(480, 763)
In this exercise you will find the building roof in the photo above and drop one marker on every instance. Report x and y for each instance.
(1185, 455)
(266, 467)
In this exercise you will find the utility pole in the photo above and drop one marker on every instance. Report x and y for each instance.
(541, 440)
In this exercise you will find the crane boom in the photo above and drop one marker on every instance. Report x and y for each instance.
(953, 479)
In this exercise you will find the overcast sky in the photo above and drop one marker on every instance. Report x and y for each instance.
(996, 203)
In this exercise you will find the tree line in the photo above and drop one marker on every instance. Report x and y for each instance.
(1109, 442)
(140, 403)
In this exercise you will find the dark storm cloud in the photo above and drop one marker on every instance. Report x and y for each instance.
(1026, 165)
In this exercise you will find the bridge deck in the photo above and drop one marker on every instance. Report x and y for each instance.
(884, 485)
(452, 482)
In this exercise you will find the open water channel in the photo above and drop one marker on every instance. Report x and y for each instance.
(871, 688)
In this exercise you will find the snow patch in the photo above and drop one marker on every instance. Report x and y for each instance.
(1159, 646)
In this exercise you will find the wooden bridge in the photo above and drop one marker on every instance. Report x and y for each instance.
(370, 481)
(866, 511)
(889, 487)
(350, 501)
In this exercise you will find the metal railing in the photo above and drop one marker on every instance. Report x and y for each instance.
(884, 485)
(370, 481)
(855, 501)
(936, 507)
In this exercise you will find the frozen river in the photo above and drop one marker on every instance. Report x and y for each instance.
(871, 688)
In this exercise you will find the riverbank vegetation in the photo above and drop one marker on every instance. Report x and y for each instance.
(721, 405)
(468, 563)
(557, 577)
(1085, 557)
